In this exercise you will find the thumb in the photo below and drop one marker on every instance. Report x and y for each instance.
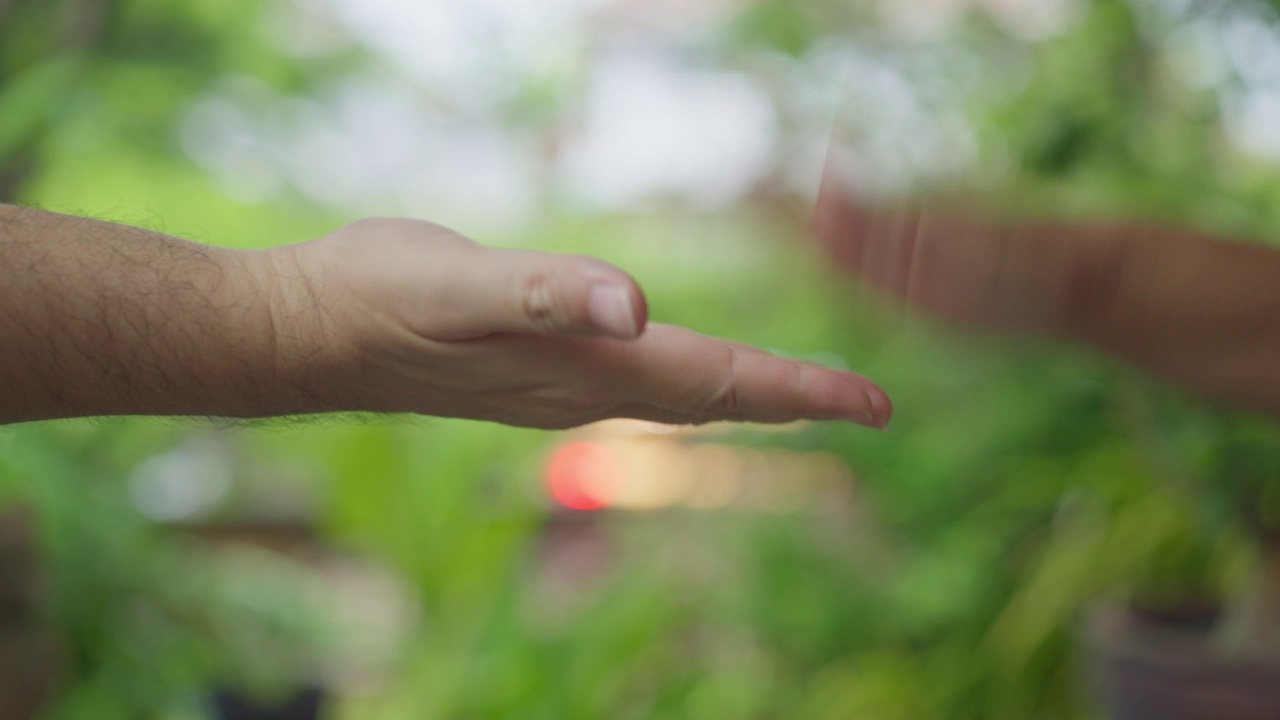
(540, 293)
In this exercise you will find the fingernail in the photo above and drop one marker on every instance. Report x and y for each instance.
(881, 408)
(869, 415)
(611, 311)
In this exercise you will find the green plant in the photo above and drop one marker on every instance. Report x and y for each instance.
(1016, 484)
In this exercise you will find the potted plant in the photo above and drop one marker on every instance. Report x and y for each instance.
(1174, 650)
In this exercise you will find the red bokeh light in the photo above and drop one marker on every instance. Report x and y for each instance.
(581, 475)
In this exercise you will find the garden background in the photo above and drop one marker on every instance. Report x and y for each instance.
(423, 568)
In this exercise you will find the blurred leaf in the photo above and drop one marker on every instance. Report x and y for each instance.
(31, 101)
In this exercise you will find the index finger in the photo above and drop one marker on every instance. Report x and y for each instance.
(673, 374)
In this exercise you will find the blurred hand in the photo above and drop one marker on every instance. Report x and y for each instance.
(1037, 279)
(392, 315)
(1198, 311)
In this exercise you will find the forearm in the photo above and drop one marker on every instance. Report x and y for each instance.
(103, 319)
(1202, 313)
(381, 315)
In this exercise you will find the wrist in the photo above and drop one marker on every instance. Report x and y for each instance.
(309, 356)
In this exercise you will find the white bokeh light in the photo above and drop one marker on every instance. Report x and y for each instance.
(186, 483)
(1252, 121)
(651, 128)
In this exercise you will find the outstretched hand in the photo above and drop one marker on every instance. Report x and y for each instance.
(393, 315)
(1193, 309)
(1040, 279)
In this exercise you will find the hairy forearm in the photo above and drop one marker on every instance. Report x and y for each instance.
(380, 315)
(1200, 312)
(103, 319)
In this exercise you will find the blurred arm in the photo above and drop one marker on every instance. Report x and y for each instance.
(1203, 313)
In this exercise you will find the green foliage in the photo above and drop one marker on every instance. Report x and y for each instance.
(1015, 486)
(784, 25)
(29, 101)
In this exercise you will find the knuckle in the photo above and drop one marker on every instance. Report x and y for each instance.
(403, 229)
(799, 378)
(725, 399)
(367, 225)
(538, 302)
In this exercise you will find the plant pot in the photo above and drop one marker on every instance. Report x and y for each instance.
(303, 704)
(1163, 666)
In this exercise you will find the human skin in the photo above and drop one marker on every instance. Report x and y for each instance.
(1201, 312)
(383, 316)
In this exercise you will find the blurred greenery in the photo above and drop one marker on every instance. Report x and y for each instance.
(1017, 484)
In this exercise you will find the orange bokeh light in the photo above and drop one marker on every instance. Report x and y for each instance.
(582, 476)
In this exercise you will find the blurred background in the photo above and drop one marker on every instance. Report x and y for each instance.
(413, 568)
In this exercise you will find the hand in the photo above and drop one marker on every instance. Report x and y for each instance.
(390, 315)
(1012, 278)
(1198, 311)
